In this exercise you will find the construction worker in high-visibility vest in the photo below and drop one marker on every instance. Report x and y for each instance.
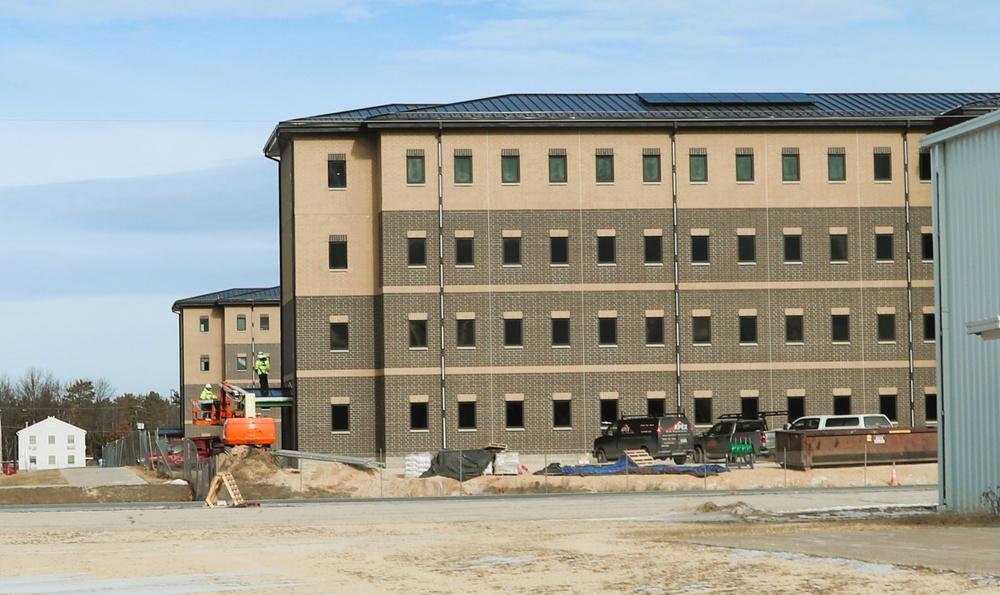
(263, 368)
(208, 401)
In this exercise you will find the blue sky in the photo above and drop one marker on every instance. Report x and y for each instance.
(131, 172)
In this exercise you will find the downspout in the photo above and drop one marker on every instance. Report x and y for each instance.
(909, 269)
(444, 392)
(677, 287)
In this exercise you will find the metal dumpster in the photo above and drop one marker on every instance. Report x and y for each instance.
(816, 448)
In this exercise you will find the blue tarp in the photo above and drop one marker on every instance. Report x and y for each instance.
(623, 465)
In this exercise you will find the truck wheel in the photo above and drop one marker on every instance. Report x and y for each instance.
(699, 456)
(680, 459)
(602, 457)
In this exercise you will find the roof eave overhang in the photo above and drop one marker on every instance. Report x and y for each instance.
(657, 123)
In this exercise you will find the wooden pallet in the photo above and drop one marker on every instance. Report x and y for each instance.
(224, 479)
(641, 458)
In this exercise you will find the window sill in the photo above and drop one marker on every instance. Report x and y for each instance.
(744, 182)
(754, 344)
(893, 342)
(841, 343)
(791, 182)
(653, 264)
(416, 184)
(514, 429)
(562, 428)
(793, 262)
(744, 264)
(551, 183)
(463, 184)
(416, 266)
(510, 183)
(423, 431)
(561, 346)
(609, 345)
(840, 262)
(883, 181)
(655, 345)
(837, 181)
(511, 266)
(465, 266)
(794, 343)
(340, 432)
(467, 430)
(659, 183)
(513, 346)
(605, 183)
(930, 341)
(559, 265)
(336, 189)
(700, 264)
(607, 264)
(701, 344)
(338, 270)
(340, 351)
(466, 347)
(418, 349)
(884, 261)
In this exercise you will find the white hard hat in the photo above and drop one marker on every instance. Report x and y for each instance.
(208, 386)
(260, 354)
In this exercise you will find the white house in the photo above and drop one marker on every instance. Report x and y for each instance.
(51, 444)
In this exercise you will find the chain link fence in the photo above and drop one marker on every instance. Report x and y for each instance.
(177, 458)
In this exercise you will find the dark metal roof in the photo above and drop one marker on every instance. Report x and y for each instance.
(367, 112)
(266, 295)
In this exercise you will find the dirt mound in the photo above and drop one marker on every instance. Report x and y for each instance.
(252, 465)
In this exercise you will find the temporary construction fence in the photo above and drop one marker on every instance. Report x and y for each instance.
(174, 458)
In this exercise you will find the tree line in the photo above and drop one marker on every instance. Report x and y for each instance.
(87, 404)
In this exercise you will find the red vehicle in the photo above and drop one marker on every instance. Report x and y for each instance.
(175, 453)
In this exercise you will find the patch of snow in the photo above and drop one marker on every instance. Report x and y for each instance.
(857, 565)
(491, 561)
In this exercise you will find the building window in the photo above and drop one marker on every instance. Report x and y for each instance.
(561, 414)
(241, 322)
(654, 330)
(794, 329)
(560, 332)
(930, 333)
(789, 165)
(606, 250)
(750, 407)
(464, 252)
(930, 407)
(418, 334)
(338, 336)
(512, 251)
(842, 405)
(466, 415)
(463, 169)
(338, 254)
(836, 165)
(746, 249)
(793, 247)
(883, 247)
(241, 363)
(744, 165)
(415, 168)
(886, 324)
(840, 328)
(651, 166)
(557, 167)
(203, 324)
(465, 332)
(514, 414)
(701, 330)
(838, 247)
(703, 410)
(71, 459)
(887, 406)
(748, 330)
(203, 364)
(32, 440)
(609, 410)
(512, 332)
(558, 250)
(883, 164)
(70, 440)
(418, 416)
(796, 408)
(52, 439)
(652, 249)
(265, 322)
(607, 330)
(925, 166)
(340, 418)
(605, 162)
(416, 252)
(927, 247)
(699, 249)
(698, 162)
(510, 168)
(336, 171)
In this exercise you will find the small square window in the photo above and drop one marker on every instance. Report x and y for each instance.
(52, 439)
(241, 363)
(415, 169)
(463, 169)
(652, 249)
(340, 418)
(842, 405)
(418, 416)
(656, 407)
(883, 247)
(703, 410)
(930, 407)
(838, 247)
(699, 167)
(607, 330)
(605, 169)
(930, 330)
(338, 255)
(241, 322)
(606, 250)
(512, 332)
(339, 336)
(836, 165)
(701, 330)
(748, 330)
(265, 322)
(883, 167)
(925, 166)
(886, 327)
(418, 334)
(514, 414)
(699, 249)
(203, 324)
(203, 364)
(559, 250)
(465, 332)
(466, 415)
(840, 328)
(794, 328)
(744, 168)
(887, 406)
(560, 332)
(654, 330)
(609, 410)
(416, 252)
(510, 169)
(561, 414)
(793, 248)
(746, 249)
(651, 168)
(336, 173)
(512, 251)
(557, 169)
(464, 251)
(796, 408)
(70, 459)
(927, 246)
(789, 168)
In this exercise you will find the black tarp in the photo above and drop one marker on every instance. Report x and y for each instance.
(460, 464)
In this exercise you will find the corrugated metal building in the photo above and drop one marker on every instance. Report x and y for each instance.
(966, 213)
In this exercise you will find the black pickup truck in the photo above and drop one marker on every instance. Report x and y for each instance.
(717, 442)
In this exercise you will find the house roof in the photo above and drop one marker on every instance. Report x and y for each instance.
(231, 297)
(48, 421)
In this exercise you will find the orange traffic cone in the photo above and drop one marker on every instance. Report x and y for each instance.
(894, 482)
